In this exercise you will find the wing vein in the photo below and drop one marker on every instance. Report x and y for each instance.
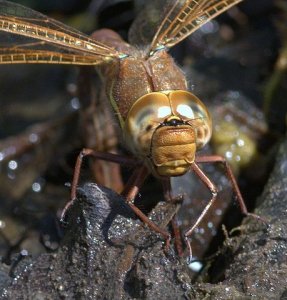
(28, 36)
(184, 18)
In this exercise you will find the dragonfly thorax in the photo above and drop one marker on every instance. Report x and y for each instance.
(165, 129)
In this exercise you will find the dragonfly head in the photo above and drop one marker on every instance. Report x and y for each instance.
(165, 129)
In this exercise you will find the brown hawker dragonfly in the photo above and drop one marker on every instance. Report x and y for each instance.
(163, 124)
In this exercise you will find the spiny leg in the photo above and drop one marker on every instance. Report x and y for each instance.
(213, 190)
(134, 184)
(230, 176)
(98, 155)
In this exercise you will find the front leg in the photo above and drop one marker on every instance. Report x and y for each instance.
(131, 190)
(209, 184)
(166, 184)
(230, 176)
(116, 158)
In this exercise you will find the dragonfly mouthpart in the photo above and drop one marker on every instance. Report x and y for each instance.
(173, 121)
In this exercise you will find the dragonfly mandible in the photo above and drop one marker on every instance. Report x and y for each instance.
(163, 125)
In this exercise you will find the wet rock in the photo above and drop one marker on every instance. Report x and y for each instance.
(106, 254)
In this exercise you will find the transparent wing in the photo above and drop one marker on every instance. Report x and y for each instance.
(27, 36)
(59, 56)
(186, 16)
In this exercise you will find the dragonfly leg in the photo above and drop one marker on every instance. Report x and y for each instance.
(209, 184)
(98, 155)
(134, 184)
(130, 191)
(177, 236)
(230, 176)
(166, 184)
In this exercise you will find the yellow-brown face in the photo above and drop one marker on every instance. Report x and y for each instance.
(172, 149)
(165, 129)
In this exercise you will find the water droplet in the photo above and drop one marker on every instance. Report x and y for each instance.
(195, 266)
(24, 252)
(33, 138)
(61, 287)
(12, 165)
(210, 225)
(240, 142)
(36, 187)
(228, 154)
(75, 103)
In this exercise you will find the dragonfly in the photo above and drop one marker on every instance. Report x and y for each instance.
(163, 125)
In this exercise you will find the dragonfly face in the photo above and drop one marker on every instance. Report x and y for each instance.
(166, 128)
(162, 123)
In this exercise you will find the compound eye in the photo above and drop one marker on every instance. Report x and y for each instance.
(187, 106)
(185, 111)
(148, 112)
(190, 109)
(145, 115)
(163, 111)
